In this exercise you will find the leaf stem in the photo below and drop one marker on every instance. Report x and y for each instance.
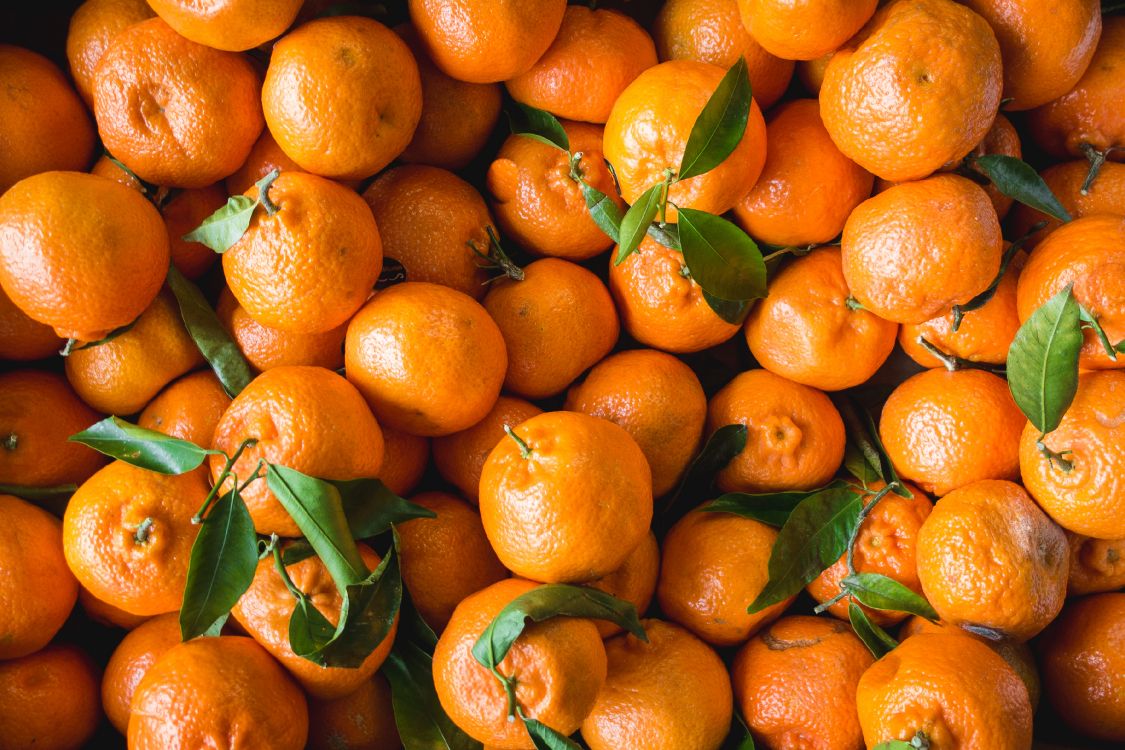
(525, 449)
(825, 606)
(264, 193)
(1053, 456)
(281, 571)
(223, 476)
(68, 347)
(1096, 159)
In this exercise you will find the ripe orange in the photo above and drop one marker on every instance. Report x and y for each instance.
(363, 720)
(138, 651)
(233, 25)
(811, 73)
(1106, 195)
(107, 614)
(806, 30)
(265, 156)
(190, 408)
(1003, 139)
(93, 26)
(1096, 565)
(183, 212)
(22, 338)
(633, 582)
(265, 347)
(49, 699)
(405, 458)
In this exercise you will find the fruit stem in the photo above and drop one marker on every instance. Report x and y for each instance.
(525, 450)
(264, 192)
(223, 476)
(1096, 159)
(1053, 456)
(853, 304)
(281, 571)
(825, 606)
(140, 536)
(68, 347)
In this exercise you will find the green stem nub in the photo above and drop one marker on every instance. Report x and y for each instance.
(1054, 457)
(264, 192)
(525, 449)
(140, 536)
(853, 304)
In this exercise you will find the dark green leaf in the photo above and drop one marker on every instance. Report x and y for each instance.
(38, 493)
(545, 738)
(309, 630)
(720, 126)
(636, 222)
(732, 311)
(1016, 179)
(147, 449)
(667, 235)
(984, 297)
(603, 210)
(880, 592)
(720, 449)
(412, 628)
(421, 722)
(1089, 320)
(371, 508)
(739, 737)
(772, 508)
(1043, 361)
(296, 551)
(216, 345)
(855, 463)
(721, 257)
(864, 436)
(877, 640)
(538, 125)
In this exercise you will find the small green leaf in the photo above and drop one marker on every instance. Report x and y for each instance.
(720, 449)
(147, 449)
(603, 210)
(310, 632)
(732, 311)
(1043, 361)
(773, 508)
(545, 738)
(222, 229)
(721, 257)
(538, 125)
(216, 345)
(739, 737)
(855, 463)
(894, 745)
(39, 493)
(421, 722)
(371, 508)
(720, 126)
(104, 340)
(880, 592)
(1016, 179)
(636, 222)
(877, 640)
(863, 436)
(1089, 320)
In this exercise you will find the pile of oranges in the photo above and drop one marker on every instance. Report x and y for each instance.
(758, 381)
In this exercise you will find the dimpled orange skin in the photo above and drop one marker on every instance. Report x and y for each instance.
(556, 322)
(660, 305)
(559, 665)
(711, 31)
(183, 212)
(405, 458)
(671, 693)
(1105, 196)
(80, 253)
(804, 330)
(918, 87)
(265, 347)
(428, 359)
(574, 507)
(429, 221)
(795, 682)
(233, 25)
(265, 156)
(913, 251)
(122, 375)
(264, 611)
(342, 96)
(795, 438)
(445, 559)
(92, 27)
(190, 408)
(1003, 139)
(952, 687)
(1090, 498)
(218, 692)
(538, 204)
(100, 529)
(362, 720)
(38, 591)
(633, 582)
(138, 651)
(804, 30)
(1088, 253)
(49, 699)
(1096, 565)
(807, 187)
(107, 614)
(460, 457)
(24, 339)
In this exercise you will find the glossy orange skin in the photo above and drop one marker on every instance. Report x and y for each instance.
(917, 88)
(93, 26)
(795, 437)
(1096, 565)
(1090, 254)
(711, 31)
(575, 507)
(811, 73)
(107, 614)
(713, 565)
(804, 330)
(952, 687)
(556, 322)
(429, 219)
(264, 157)
(633, 582)
(216, 692)
(460, 457)
(1105, 196)
(661, 305)
(804, 30)
(38, 590)
(485, 41)
(342, 96)
(80, 253)
(913, 251)
(233, 25)
(795, 682)
(305, 418)
(989, 557)
(38, 412)
(362, 720)
(671, 693)
(1090, 498)
(24, 339)
(405, 458)
(190, 408)
(138, 651)
(428, 359)
(538, 204)
(49, 699)
(648, 129)
(559, 666)
(183, 212)
(657, 399)
(445, 559)
(265, 347)
(1002, 138)
(594, 56)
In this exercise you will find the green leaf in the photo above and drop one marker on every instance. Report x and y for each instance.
(222, 229)
(371, 508)
(105, 340)
(721, 257)
(877, 640)
(603, 210)
(538, 125)
(1016, 179)
(720, 126)
(880, 592)
(667, 235)
(1089, 320)
(545, 602)
(310, 631)
(39, 493)
(216, 345)
(545, 738)
(894, 745)
(147, 449)
(636, 222)
(863, 438)
(856, 464)
(739, 737)
(224, 558)
(1043, 361)
(813, 538)
(412, 628)
(732, 311)
(773, 508)
(421, 722)
(720, 449)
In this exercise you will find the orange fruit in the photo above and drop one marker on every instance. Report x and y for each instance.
(713, 566)
(305, 418)
(190, 408)
(22, 338)
(37, 591)
(567, 499)
(1096, 565)
(487, 40)
(362, 720)
(806, 331)
(913, 251)
(811, 73)
(93, 26)
(265, 156)
(539, 205)
(183, 212)
(795, 437)
(558, 665)
(38, 412)
(80, 253)
(459, 457)
(1003, 139)
(109, 168)
(917, 88)
(954, 689)
(557, 321)
(428, 359)
(215, 692)
(1088, 499)
(806, 30)
(633, 582)
(342, 96)
(265, 347)
(711, 31)
(671, 693)
(233, 25)
(796, 680)
(107, 614)
(49, 699)
(405, 458)
(1106, 195)
(138, 651)
(657, 399)
(429, 221)
(648, 129)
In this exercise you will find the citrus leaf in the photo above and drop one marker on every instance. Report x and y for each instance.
(421, 722)
(877, 640)
(146, 449)
(895, 745)
(739, 737)
(636, 222)
(39, 493)
(667, 235)
(213, 341)
(1043, 361)
(720, 449)
(545, 738)
(603, 210)
(104, 340)
(538, 125)
(413, 628)
(984, 297)
(309, 630)
(371, 508)
(1016, 179)
(771, 508)
(222, 229)
(720, 125)
(880, 592)
(732, 311)
(721, 257)
(856, 464)
(863, 439)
